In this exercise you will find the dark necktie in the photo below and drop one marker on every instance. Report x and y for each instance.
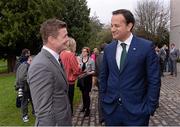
(60, 62)
(123, 55)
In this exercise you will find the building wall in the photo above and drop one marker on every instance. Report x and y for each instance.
(175, 22)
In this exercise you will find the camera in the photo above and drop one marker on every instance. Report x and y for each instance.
(20, 92)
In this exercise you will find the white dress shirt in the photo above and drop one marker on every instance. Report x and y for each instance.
(119, 49)
(56, 55)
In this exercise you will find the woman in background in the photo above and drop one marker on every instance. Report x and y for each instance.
(85, 80)
(71, 66)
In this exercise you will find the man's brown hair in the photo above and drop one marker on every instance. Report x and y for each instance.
(50, 28)
(129, 17)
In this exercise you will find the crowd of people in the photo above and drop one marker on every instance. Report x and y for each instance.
(168, 59)
(126, 72)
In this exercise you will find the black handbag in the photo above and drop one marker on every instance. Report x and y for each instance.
(80, 83)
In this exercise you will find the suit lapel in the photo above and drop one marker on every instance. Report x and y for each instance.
(132, 49)
(54, 61)
(113, 51)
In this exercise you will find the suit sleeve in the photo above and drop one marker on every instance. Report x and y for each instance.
(178, 53)
(41, 80)
(153, 80)
(104, 72)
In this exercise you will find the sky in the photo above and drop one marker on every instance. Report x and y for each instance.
(103, 8)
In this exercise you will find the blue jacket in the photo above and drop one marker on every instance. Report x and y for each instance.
(137, 86)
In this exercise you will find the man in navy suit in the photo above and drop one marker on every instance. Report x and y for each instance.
(130, 75)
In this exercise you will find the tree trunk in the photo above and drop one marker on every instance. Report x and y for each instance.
(11, 60)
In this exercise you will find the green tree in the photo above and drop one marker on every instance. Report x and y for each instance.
(100, 33)
(18, 29)
(76, 14)
(96, 28)
(20, 22)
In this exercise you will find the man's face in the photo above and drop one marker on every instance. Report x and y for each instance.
(172, 46)
(29, 60)
(120, 30)
(59, 43)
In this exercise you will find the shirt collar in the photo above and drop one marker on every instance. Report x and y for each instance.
(56, 55)
(127, 41)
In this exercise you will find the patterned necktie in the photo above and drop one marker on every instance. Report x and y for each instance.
(123, 55)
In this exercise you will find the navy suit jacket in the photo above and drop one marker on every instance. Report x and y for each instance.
(137, 86)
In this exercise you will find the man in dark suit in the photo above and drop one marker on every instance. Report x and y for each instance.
(98, 63)
(129, 77)
(162, 55)
(47, 79)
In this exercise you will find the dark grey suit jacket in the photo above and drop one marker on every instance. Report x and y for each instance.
(49, 90)
(98, 63)
(162, 54)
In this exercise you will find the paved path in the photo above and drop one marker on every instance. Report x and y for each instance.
(168, 113)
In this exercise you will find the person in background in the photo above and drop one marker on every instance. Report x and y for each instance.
(162, 55)
(23, 88)
(130, 76)
(166, 63)
(93, 57)
(173, 56)
(24, 56)
(157, 50)
(47, 79)
(71, 66)
(98, 63)
(95, 54)
(85, 79)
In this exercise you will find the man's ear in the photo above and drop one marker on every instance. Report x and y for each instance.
(130, 25)
(50, 39)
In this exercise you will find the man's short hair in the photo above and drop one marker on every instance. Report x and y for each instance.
(25, 52)
(103, 46)
(172, 44)
(50, 28)
(127, 15)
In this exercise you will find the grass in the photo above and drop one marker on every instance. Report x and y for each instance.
(77, 96)
(9, 114)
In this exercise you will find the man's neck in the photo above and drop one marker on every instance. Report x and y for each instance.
(52, 48)
(127, 36)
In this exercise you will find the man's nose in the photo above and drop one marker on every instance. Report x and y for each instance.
(113, 29)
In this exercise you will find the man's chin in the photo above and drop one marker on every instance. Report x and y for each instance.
(115, 38)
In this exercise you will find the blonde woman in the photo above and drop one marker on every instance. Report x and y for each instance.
(71, 66)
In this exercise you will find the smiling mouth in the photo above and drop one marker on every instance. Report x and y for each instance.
(114, 34)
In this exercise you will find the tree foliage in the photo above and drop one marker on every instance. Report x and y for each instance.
(20, 22)
(100, 33)
(152, 21)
